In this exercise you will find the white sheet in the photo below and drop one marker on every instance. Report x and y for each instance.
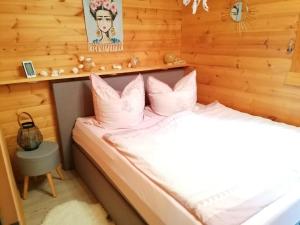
(155, 205)
(224, 176)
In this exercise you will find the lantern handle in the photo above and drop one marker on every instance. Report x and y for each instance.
(19, 116)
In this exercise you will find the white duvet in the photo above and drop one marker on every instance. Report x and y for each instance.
(222, 165)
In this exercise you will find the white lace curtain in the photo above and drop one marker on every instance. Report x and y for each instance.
(195, 5)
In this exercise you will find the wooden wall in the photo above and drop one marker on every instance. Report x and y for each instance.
(52, 34)
(11, 210)
(245, 71)
(33, 98)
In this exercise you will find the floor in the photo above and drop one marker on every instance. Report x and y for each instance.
(40, 201)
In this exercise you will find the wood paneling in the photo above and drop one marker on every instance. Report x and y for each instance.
(33, 98)
(293, 78)
(52, 34)
(246, 71)
(10, 202)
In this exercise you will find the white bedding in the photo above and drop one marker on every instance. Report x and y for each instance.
(153, 204)
(225, 167)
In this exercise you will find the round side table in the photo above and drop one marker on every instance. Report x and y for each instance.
(39, 162)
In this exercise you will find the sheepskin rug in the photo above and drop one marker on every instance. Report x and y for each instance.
(77, 213)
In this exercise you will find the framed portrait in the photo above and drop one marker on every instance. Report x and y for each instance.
(29, 69)
(104, 25)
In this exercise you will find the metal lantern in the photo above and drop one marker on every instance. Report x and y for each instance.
(29, 136)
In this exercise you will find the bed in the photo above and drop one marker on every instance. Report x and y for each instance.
(132, 196)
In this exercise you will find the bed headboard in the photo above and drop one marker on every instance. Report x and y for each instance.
(73, 99)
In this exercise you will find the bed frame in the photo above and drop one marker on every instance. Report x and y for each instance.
(73, 99)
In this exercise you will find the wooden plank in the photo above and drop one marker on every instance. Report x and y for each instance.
(249, 81)
(293, 78)
(74, 7)
(10, 203)
(247, 51)
(10, 116)
(21, 52)
(296, 56)
(285, 23)
(42, 7)
(67, 62)
(242, 62)
(12, 21)
(108, 72)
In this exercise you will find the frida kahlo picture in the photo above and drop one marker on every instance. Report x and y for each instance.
(104, 25)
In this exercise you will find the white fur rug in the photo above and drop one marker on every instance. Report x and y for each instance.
(77, 213)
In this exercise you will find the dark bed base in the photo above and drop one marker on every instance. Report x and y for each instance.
(116, 205)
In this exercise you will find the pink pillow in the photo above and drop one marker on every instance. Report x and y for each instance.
(165, 101)
(114, 110)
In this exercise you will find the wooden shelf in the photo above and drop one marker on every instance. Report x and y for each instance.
(110, 72)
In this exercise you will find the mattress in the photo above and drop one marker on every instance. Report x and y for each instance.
(154, 204)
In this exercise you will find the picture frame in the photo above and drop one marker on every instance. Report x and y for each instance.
(104, 25)
(29, 69)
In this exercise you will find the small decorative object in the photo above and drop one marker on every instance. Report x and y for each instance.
(61, 71)
(171, 58)
(81, 58)
(85, 64)
(29, 136)
(291, 46)
(117, 66)
(186, 2)
(240, 13)
(88, 64)
(102, 68)
(44, 73)
(75, 70)
(179, 61)
(104, 25)
(55, 73)
(195, 5)
(134, 62)
(29, 69)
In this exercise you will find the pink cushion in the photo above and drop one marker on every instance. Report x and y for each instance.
(114, 110)
(165, 101)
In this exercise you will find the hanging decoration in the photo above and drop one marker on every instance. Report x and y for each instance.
(104, 25)
(196, 4)
(240, 13)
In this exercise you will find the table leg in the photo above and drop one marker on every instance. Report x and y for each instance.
(51, 184)
(59, 172)
(25, 187)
